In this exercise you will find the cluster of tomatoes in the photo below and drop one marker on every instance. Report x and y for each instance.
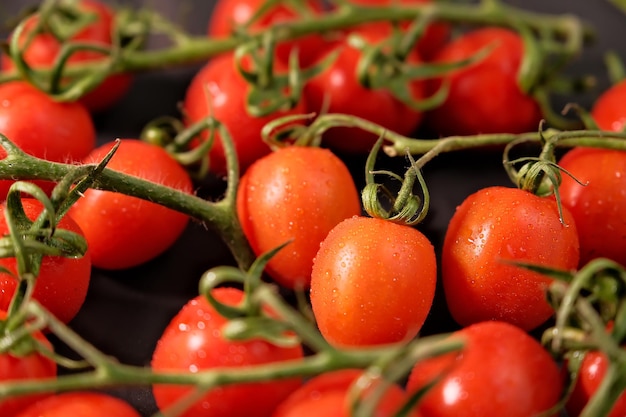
(371, 279)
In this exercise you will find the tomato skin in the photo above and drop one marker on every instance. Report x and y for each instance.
(373, 282)
(227, 90)
(80, 404)
(44, 49)
(62, 282)
(500, 371)
(39, 133)
(484, 97)
(327, 395)
(591, 373)
(124, 231)
(192, 342)
(608, 110)
(31, 366)
(297, 193)
(227, 15)
(434, 37)
(599, 205)
(495, 225)
(339, 89)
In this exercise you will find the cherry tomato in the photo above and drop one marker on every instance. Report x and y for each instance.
(229, 14)
(599, 205)
(372, 283)
(500, 371)
(62, 283)
(484, 97)
(608, 110)
(327, 395)
(44, 49)
(591, 374)
(219, 84)
(339, 89)
(42, 127)
(80, 404)
(297, 193)
(432, 40)
(124, 231)
(494, 226)
(32, 366)
(192, 342)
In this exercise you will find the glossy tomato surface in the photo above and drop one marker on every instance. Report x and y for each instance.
(327, 395)
(597, 200)
(45, 48)
(193, 342)
(80, 404)
(15, 367)
(62, 284)
(219, 90)
(373, 282)
(124, 231)
(608, 109)
(42, 127)
(500, 371)
(492, 229)
(295, 194)
(484, 97)
(338, 90)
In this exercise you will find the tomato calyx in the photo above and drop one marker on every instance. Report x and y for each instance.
(403, 208)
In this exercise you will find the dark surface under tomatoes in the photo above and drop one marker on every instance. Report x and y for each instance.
(130, 308)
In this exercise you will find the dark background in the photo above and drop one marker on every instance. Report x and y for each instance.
(126, 311)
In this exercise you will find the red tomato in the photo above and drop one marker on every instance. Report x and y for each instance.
(493, 226)
(124, 231)
(339, 89)
(44, 49)
(32, 366)
(591, 374)
(80, 404)
(485, 97)
(598, 206)
(297, 193)
(229, 14)
(434, 37)
(219, 84)
(327, 395)
(372, 283)
(30, 119)
(193, 342)
(501, 371)
(608, 110)
(62, 283)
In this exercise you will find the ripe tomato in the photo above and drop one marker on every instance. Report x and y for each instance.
(30, 119)
(193, 341)
(608, 110)
(62, 283)
(31, 366)
(124, 231)
(229, 14)
(339, 89)
(598, 206)
(434, 37)
(218, 90)
(297, 193)
(493, 226)
(501, 371)
(79, 404)
(591, 374)
(45, 47)
(327, 395)
(373, 282)
(484, 97)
